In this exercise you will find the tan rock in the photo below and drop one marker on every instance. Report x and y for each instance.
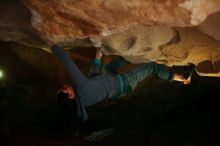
(140, 44)
(121, 26)
(200, 9)
(211, 26)
(63, 21)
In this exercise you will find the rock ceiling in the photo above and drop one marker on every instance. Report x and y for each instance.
(173, 32)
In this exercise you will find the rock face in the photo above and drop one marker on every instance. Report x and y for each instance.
(15, 24)
(211, 26)
(139, 43)
(140, 30)
(64, 21)
(200, 9)
(196, 48)
(179, 46)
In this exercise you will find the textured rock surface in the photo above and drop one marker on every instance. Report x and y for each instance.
(211, 26)
(200, 9)
(196, 48)
(139, 43)
(66, 21)
(63, 21)
(142, 44)
(86, 23)
(15, 24)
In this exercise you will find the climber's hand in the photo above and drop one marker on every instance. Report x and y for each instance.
(98, 53)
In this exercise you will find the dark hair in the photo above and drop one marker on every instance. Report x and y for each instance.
(64, 103)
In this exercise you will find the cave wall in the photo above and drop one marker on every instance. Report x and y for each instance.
(170, 46)
(15, 70)
(211, 26)
(67, 21)
(15, 24)
(36, 61)
(97, 16)
(75, 24)
(30, 66)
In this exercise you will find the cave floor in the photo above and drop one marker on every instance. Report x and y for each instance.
(156, 113)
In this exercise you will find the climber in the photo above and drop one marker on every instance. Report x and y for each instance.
(88, 91)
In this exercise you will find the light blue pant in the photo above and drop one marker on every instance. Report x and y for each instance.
(134, 76)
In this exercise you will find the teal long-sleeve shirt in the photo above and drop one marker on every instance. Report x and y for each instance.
(89, 90)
